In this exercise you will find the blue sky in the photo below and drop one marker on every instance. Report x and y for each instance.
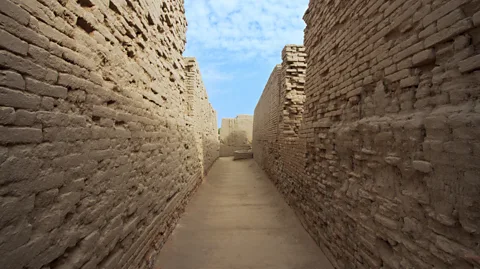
(237, 44)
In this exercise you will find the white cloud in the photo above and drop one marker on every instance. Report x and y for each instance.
(239, 30)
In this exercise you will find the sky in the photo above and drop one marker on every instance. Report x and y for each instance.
(237, 44)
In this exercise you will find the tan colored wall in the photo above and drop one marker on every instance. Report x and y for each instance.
(236, 134)
(98, 151)
(277, 146)
(204, 116)
(391, 125)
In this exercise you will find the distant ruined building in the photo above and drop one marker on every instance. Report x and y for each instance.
(236, 134)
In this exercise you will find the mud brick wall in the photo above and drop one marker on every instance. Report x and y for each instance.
(98, 151)
(236, 134)
(392, 122)
(204, 116)
(278, 145)
(266, 124)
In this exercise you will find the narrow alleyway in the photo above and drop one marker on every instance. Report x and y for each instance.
(237, 219)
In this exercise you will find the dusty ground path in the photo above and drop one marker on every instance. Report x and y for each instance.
(238, 220)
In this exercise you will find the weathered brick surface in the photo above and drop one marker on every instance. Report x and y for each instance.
(278, 146)
(205, 117)
(98, 149)
(391, 126)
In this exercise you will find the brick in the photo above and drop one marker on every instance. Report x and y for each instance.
(51, 119)
(408, 52)
(422, 12)
(55, 35)
(476, 19)
(448, 33)
(438, 122)
(404, 64)
(450, 246)
(11, 80)
(7, 115)
(399, 75)
(461, 42)
(448, 7)
(17, 135)
(79, 59)
(391, 69)
(387, 222)
(22, 65)
(470, 64)
(450, 19)
(430, 30)
(43, 57)
(75, 82)
(66, 134)
(407, 14)
(45, 89)
(424, 57)
(23, 32)
(422, 166)
(101, 111)
(48, 103)
(393, 6)
(15, 12)
(12, 43)
(409, 82)
(24, 118)
(37, 9)
(18, 99)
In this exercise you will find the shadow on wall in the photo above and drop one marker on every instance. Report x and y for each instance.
(236, 140)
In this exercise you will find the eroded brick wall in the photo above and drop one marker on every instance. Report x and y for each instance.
(98, 151)
(236, 134)
(266, 124)
(392, 131)
(204, 116)
(391, 124)
(278, 145)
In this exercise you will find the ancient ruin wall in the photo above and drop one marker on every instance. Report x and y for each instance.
(204, 116)
(97, 149)
(392, 120)
(266, 124)
(236, 134)
(277, 144)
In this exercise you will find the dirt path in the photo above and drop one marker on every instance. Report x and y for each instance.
(238, 220)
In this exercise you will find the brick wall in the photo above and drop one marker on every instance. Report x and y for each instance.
(98, 151)
(204, 116)
(278, 145)
(266, 124)
(391, 122)
(236, 134)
